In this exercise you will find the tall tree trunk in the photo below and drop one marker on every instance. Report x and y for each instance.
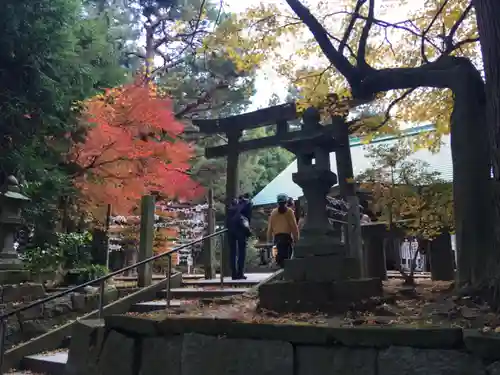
(488, 21)
(471, 175)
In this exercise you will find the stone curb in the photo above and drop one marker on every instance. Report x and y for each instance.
(374, 337)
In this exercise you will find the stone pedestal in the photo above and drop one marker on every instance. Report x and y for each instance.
(313, 296)
(374, 252)
(442, 258)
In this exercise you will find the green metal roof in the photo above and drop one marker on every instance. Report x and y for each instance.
(439, 162)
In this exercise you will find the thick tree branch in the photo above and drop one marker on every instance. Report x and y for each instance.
(354, 16)
(438, 74)
(363, 40)
(450, 46)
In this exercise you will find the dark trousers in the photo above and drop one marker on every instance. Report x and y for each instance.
(238, 252)
(284, 248)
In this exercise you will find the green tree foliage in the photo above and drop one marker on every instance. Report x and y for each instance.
(53, 55)
(406, 191)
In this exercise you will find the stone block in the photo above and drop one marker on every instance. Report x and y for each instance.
(85, 345)
(58, 307)
(161, 353)
(22, 292)
(14, 276)
(320, 268)
(311, 296)
(383, 337)
(320, 245)
(111, 294)
(318, 360)
(92, 301)
(411, 361)
(117, 356)
(222, 356)
(78, 302)
(32, 313)
(483, 345)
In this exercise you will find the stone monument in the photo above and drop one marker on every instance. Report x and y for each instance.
(320, 276)
(11, 202)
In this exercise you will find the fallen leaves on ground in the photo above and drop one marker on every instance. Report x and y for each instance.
(429, 304)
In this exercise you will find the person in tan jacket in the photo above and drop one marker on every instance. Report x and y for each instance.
(283, 229)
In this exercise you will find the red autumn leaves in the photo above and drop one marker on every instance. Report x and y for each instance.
(131, 148)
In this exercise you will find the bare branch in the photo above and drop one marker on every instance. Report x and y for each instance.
(136, 54)
(386, 39)
(428, 28)
(393, 104)
(401, 25)
(354, 16)
(338, 59)
(198, 20)
(387, 115)
(363, 40)
(460, 44)
(347, 46)
(450, 46)
(204, 98)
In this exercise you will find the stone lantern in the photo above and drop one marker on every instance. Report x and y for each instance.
(11, 203)
(321, 276)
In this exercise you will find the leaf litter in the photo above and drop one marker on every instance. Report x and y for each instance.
(428, 304)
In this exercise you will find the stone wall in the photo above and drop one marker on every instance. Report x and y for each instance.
(127, 345)
(42, 318)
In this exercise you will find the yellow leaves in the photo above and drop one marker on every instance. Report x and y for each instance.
(234, 39)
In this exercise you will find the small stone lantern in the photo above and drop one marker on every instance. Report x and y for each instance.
(11, 203)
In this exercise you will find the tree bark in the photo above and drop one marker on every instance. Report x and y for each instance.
(488, 22)
(471, 178)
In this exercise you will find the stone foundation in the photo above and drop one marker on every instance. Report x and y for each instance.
(191, 346)
(320, 268)
(313, 296)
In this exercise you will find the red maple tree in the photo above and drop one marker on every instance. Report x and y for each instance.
(131, 148)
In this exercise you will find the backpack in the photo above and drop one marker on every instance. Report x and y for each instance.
(240, 222)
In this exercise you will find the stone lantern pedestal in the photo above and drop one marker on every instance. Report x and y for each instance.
(11, 202)
(321, 276)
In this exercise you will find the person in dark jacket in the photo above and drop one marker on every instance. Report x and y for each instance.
(238, 225)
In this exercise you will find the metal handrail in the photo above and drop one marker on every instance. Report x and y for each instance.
(101, 280)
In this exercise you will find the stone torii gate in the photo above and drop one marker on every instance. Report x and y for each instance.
(234, 126)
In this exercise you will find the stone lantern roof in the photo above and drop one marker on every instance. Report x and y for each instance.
(11, 190)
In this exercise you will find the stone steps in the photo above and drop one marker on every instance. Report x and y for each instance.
(46, 363)
(194, 293)
(150, 306)
(193, 287)
(252, 279)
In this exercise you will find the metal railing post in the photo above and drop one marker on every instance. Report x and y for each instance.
(3, 329)
(101, 299)
(4, 316)
(169, 275)
(221, 261)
